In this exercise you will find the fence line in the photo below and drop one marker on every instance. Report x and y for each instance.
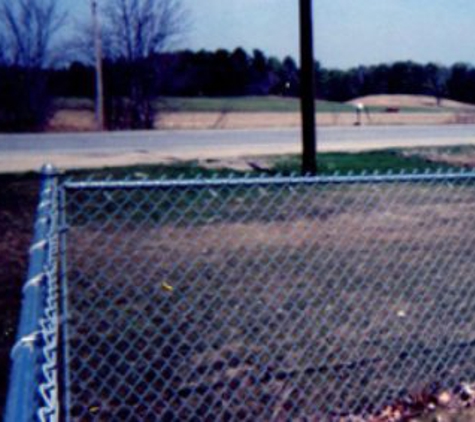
(249, 298)
(374, 178)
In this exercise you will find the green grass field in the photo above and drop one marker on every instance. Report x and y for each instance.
(247, 104)
(252, 104)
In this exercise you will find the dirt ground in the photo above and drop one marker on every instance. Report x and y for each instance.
(70, 121)
(362, 293)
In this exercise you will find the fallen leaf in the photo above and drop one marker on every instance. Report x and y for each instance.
(167, 287)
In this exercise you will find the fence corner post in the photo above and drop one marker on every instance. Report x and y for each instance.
(48, 170)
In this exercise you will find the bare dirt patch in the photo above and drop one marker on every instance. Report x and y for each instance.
(80, 121)
(411, 101)
(340, 298)
(72, 121)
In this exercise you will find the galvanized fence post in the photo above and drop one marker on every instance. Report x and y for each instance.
(64, 400)
(25, 376)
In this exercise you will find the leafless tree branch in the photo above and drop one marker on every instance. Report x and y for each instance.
(28, 29)
(136, 29)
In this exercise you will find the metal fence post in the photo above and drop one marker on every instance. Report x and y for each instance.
(63, 297)
(23, 394)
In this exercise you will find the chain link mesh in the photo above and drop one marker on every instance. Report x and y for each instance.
(279, 299)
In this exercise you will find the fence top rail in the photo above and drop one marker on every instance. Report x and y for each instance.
(270, 181)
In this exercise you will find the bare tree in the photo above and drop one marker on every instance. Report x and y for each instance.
(136, 29)
(27, 34)
(28, 28)
(134, 32)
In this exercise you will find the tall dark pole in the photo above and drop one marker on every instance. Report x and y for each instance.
(307, 87)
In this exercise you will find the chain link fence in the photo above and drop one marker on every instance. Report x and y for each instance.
(266, 299)
(260, 299)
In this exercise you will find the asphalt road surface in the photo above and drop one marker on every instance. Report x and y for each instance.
(76, 150)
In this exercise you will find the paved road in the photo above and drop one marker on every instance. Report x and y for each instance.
(28, 152)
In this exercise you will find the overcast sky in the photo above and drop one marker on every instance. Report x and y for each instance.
(347, 32)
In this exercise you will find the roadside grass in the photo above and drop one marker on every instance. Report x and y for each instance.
(381, 161)
(372, 161)
(181, 170)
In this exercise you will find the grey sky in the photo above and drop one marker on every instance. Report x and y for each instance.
(347, 32)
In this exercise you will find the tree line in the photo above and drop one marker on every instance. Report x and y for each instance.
(238, 73)
(37, 65)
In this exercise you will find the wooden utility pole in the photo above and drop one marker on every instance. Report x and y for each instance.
(307, 87)
(98, 61)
